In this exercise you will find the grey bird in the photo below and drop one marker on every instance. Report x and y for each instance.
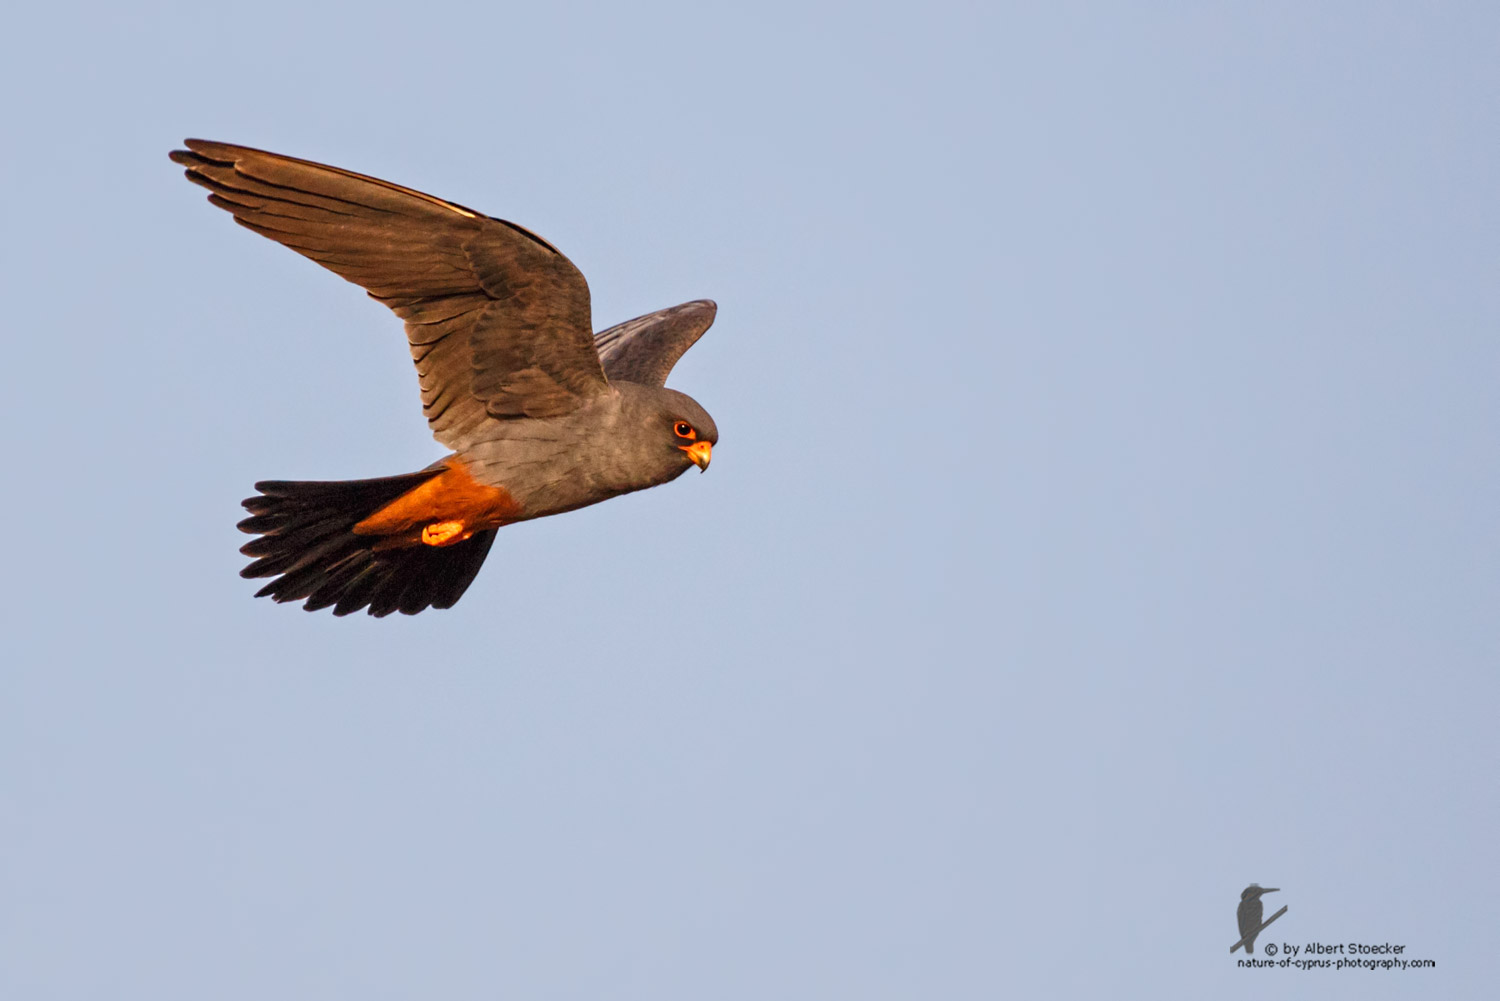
(541, 416)
(1250, 913)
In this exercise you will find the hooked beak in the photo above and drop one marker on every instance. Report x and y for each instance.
(700, 452)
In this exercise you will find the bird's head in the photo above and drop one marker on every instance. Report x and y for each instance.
(671, 433)
(693, 433)
(1254, 890)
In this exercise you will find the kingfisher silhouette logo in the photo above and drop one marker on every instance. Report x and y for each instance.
(1249, 914)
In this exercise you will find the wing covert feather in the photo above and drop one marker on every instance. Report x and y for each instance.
(643, 350)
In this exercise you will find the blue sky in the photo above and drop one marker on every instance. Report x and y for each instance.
(1103, 518)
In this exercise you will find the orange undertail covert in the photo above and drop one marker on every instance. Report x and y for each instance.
(446, 509)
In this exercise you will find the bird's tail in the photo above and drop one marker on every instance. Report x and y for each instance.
(307, 541)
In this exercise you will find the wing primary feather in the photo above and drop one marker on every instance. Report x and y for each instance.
(522, 308)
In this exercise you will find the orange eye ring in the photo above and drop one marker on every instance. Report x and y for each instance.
(683, 429)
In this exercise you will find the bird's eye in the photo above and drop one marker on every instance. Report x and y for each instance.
(684, 430)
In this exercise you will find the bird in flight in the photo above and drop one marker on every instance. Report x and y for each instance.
(541, 415)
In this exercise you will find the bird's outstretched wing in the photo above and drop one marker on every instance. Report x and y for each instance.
(643, 350)
(497, 319)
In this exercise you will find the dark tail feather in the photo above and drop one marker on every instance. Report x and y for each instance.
(306, 541)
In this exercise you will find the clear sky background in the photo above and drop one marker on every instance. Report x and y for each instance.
(1104, 517)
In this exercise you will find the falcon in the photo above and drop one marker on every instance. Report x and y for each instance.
(541, 415)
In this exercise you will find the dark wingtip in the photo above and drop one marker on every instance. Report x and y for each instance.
(206, 147)
(705, 310)
(201, 153)
(192, 153)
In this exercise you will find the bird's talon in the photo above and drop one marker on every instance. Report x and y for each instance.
(443, 533)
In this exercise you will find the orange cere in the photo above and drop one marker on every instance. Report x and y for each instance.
(443, 511)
